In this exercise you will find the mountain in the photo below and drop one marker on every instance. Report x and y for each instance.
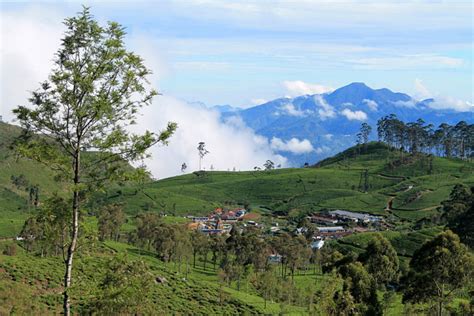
(330, 121)
(224, 108)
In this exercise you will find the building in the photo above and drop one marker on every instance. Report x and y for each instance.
(274, 258)
(317, 244)
(354, 216)
(331, 229)
(323, 219)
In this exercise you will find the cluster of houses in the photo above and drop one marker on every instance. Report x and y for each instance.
(341, 216)
(334, 224)
(219, 221)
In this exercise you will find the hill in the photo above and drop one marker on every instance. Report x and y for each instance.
(417, 184)
(362, 178)
(335, 183)
(330, 121)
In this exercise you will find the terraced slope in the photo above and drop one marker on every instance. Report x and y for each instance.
(415, 185)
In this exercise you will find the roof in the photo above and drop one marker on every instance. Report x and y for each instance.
(361, 216)
(330, 229)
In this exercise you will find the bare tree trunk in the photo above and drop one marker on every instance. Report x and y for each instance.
(74, 236)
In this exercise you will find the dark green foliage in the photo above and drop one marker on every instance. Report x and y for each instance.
(459, 213)
(439, 268)
(90, 98)
(266, 285)
(124, 289)
(111, 218)
(362, 287)
(418, 136)
(381, 260)
(48, 231)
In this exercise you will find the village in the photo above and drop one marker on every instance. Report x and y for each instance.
(333, 224)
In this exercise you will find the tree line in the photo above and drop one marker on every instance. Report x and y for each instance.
(421, 137)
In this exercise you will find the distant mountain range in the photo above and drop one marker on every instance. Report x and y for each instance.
(330, 121)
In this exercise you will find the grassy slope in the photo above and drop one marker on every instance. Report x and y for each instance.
(332, 184)
(13, 200)
(32, 284)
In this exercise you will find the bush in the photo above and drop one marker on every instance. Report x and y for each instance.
(10, 250)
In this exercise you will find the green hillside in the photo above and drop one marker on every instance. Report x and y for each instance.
(358, 179)
(416, 185)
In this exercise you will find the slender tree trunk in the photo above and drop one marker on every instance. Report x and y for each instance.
(74, 236)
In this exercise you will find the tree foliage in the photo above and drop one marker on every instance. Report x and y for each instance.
(447, 140)
(89, 100)
(439, 268)
(111, 218)
(381, 260)
(459, 213)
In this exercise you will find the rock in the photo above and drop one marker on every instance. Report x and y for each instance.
(161, 280)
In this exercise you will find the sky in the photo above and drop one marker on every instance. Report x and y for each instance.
(244, 53)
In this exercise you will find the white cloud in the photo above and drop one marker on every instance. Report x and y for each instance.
(354, 115)
(441, 102)
(445, 103)
(258, 101)
(26, 59)
(325, 109)
(322, 150)
(328, 136)
(28, 43)
(290, 109)
(373, 106)
(294, 145)
(421, 92)
(231, 144)
(298, 87)
(406, 104)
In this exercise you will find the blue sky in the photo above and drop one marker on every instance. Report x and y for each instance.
(245, 52)
(242, 52)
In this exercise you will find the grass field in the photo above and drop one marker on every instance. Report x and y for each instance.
(332, 185)
(32, 284)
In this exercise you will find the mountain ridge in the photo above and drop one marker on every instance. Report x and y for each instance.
(330, 121)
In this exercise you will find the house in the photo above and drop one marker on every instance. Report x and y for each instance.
(274, 258)
(274, 229)
(331, 229)
(354, 216)
(323, 219)
(199, 219)
(317, 244)
(240, 212)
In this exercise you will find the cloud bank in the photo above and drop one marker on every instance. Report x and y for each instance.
(441, 102)
(26, 59)
(293, 145)
(354, 115)
(298, 87)
(28, 43)
(231, 144)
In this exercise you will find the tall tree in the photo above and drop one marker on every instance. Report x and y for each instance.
(380, 253)
(202, 151)
(269, 165)
(439, 268)
(111, 218)
(92, 95)
(459, 213)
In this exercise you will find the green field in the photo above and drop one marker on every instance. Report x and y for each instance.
(332, 185)
(30, 283)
